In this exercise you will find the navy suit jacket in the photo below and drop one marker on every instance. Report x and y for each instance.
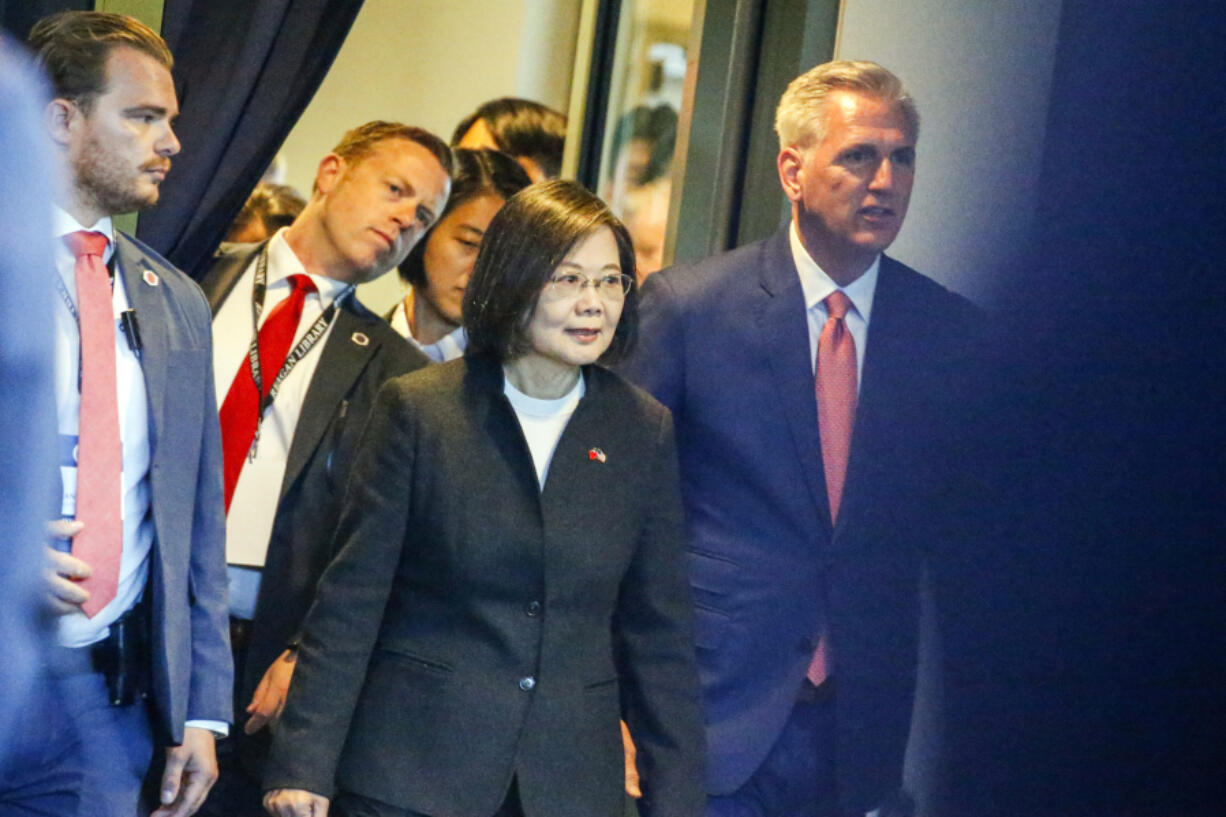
(192, 667)
(725, 346)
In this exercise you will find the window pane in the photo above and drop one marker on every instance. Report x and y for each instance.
(644, 103)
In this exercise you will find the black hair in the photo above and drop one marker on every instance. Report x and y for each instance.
(521, 127)
(274, 205)
(476, 172)
(526, 241)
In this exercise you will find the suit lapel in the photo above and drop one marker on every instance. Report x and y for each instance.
(142, 284)
(341, 362)
(591, 427)
(784, 328)
(484, 389)
(581, 490)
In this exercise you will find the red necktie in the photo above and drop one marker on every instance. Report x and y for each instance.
(99, 448)
(836, 414)
(240, 412)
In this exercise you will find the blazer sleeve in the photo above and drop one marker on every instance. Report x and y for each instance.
(657, 665)
(212, 678)
(343, 624)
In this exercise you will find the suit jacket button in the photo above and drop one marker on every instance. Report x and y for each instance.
(526, 684)
(532, 609)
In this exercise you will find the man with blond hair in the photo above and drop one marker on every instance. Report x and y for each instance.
(137, 576)
(811, 378)
(291, 413)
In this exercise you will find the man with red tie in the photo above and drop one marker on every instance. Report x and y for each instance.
(298, 361)
(142, 658)
(811, 379)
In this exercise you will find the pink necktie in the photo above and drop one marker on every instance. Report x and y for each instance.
(836, 414)
(240, 411)
(99, 448)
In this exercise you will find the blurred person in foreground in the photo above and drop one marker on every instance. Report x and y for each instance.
(27, 439)
(532, 133)
(509, 577)
(138, 576)
(815, 384)
(298, 362)
(435, 273)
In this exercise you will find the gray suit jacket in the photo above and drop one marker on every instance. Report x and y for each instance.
(192, 671)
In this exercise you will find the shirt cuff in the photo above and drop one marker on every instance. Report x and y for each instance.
(220, 729)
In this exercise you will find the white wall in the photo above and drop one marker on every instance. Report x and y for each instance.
(981, 72)
(430, 63)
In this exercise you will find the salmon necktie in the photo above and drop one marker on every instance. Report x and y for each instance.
(836, 396)
(99, 448)
(836, 414)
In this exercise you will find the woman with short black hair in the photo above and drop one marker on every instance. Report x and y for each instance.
(435, 272)
(509, 581)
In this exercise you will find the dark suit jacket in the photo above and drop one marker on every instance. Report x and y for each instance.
(192, 671)
(342, 391)
(725, 345)
(473, 629)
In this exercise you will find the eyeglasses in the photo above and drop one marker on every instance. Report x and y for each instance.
(611, 287)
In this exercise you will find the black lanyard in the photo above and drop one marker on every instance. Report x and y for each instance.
(304, 346)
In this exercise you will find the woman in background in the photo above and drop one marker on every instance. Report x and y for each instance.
(509, 582)
(436, 271)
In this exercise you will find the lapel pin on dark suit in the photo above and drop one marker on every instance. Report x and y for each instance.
(150, 277)
(360, 339)
(596, 454)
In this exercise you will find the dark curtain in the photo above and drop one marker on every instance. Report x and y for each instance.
(17, 16)
(245, 71)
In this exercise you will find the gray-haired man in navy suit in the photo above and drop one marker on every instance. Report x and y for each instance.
(811, 378)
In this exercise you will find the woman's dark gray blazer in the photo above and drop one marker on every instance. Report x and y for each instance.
(473, 629)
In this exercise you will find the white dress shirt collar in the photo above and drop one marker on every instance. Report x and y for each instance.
(282, 263)
(448, 347)
(817, 285)
(62, 223)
